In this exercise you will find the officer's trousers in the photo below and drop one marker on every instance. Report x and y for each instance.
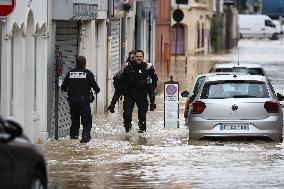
(128, 105)
(80, 108)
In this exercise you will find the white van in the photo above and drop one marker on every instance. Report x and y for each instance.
(257, 26)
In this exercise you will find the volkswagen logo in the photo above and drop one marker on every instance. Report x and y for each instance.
(234, 107)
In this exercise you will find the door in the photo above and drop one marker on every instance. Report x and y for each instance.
(115, 47)
(67, 39)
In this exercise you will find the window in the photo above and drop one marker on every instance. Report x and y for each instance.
(202, 36)
(224, 70)
(198, 35)
(269, 23)
(234, 89)
(198, 84)
(178, 46)
(250, 71)
(255, 71)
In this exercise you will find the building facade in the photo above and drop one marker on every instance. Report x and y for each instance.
(40, 41)
(163, 38)
(24, 62)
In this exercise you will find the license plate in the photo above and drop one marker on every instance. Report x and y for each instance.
(234, 126)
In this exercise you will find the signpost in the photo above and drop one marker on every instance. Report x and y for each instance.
(171, 104)
(58, 72)
(7, 7)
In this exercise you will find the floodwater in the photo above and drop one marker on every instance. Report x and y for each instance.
(165, 158)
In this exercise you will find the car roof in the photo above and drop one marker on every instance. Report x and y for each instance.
(219, 73)
(244, 77)
(230, 65)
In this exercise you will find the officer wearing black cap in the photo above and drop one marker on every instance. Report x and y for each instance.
(135, 84)
(78, 83)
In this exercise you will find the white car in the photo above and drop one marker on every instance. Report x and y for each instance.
(252, 69)
(234, 106)
(197, 83)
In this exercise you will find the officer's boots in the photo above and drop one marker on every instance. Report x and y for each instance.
(127, 127)
(111, 108)
(142, 127)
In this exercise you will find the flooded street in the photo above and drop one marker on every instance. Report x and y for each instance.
(165, 158)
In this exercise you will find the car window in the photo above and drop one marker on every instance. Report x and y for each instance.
(240, 69)
(1, 127)
(272, 89)
(224, 70)
(234, 89)
(198, 84)
(250, 71)
(255, 71)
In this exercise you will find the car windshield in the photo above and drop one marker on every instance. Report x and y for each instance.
(251, 71)
(234, 89)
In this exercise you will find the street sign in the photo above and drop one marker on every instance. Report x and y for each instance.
(184, 2)
(7, 7)
(171, 104)
(178, 15)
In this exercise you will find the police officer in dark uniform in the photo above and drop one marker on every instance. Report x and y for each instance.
(78, 83)
(117, 82)
(135, 84)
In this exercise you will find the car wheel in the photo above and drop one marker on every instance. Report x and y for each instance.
(275, 36)
(38, 180)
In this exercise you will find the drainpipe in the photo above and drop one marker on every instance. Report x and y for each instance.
(150, 37)
(123, 38)
(0, 55)
(108, 74)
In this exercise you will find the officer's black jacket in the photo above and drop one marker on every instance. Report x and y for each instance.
(79, 81)
(135, 79)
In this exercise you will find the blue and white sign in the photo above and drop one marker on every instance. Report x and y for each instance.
(171, 104)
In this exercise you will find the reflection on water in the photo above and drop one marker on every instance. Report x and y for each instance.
(165, 158)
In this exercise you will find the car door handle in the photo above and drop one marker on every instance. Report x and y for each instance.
(262, 29)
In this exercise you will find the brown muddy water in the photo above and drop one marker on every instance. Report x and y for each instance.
(165, 158)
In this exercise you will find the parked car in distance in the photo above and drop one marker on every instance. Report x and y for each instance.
(22, 165)
(234, 106)
(252, 69)
(257, 26)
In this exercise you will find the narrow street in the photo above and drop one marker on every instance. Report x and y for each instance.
(164, 158)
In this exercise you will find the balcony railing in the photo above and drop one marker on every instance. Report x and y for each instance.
(203, 4)
(77, 9)
(201, 1)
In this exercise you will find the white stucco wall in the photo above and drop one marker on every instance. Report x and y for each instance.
(22, 98)
(20, 14)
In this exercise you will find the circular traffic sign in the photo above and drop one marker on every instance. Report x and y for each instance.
(178, 15)
(7, 7)
(171, 90)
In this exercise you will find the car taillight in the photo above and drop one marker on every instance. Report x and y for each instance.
(271, 107)
(188, 104)
(198, 107)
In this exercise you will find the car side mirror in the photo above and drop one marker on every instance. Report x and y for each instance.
(184, 93)
(280, 97)
(13, 128)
